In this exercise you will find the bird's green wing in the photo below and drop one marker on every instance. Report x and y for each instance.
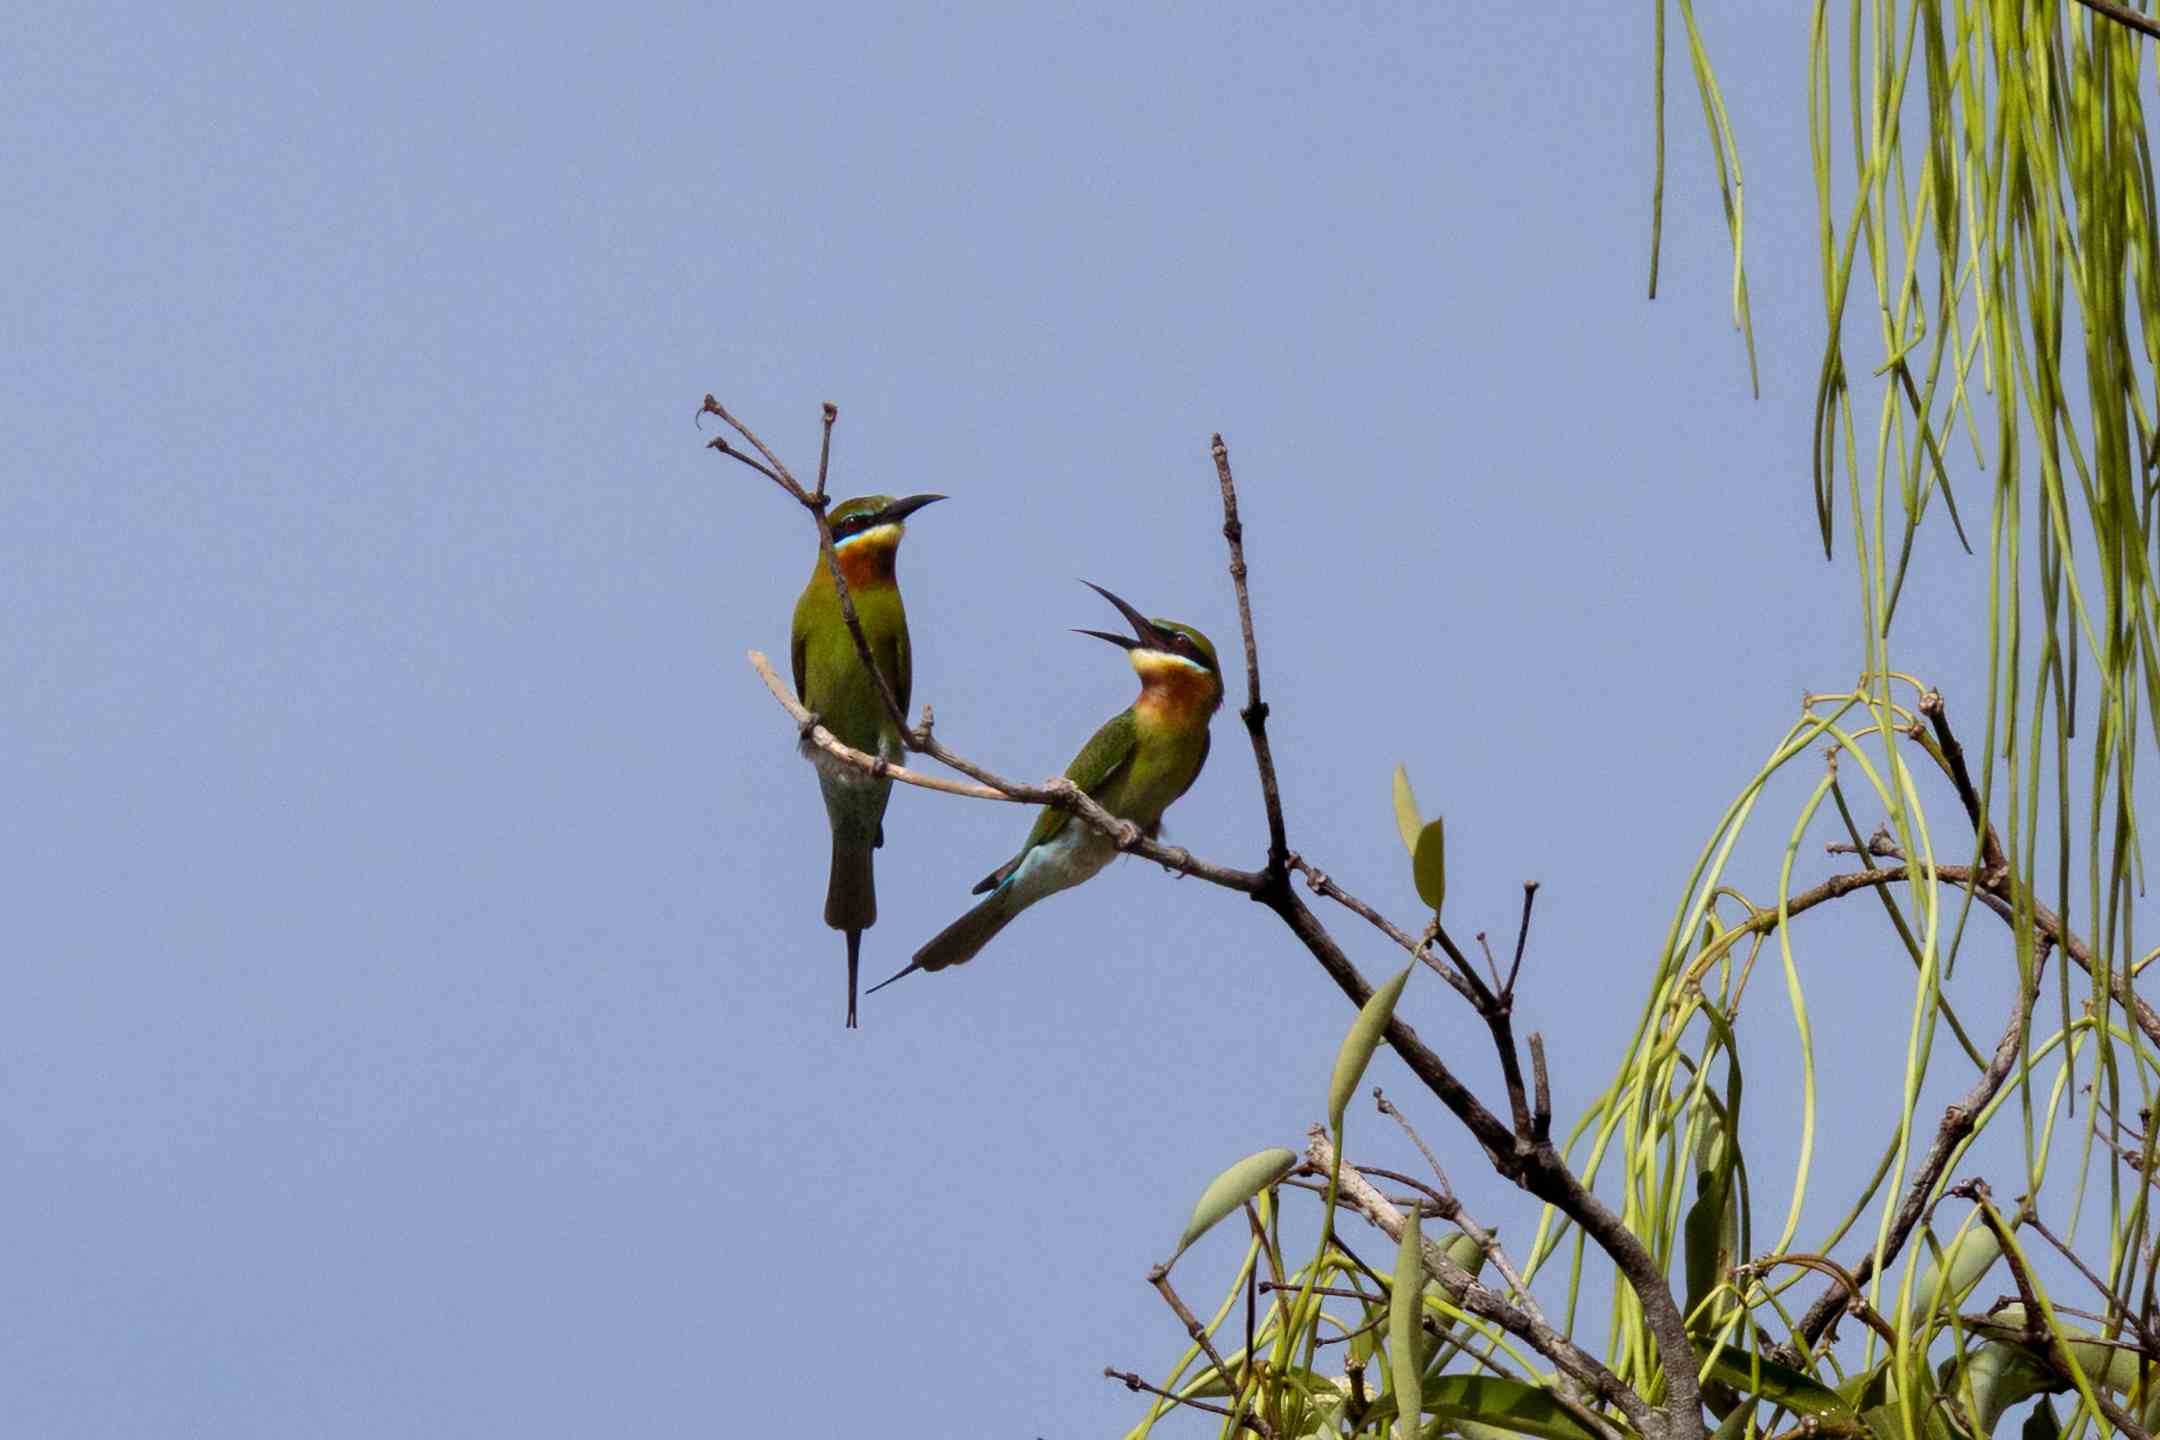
(903, 667)
(1097, 764)
(797, 642)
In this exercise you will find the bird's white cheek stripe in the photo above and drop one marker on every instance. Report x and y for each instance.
(878, 532)
(1146, 660)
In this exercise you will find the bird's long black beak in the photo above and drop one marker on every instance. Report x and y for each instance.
(901, 509)
(1146, 634)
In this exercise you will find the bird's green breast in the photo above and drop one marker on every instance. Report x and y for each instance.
(1166, 758)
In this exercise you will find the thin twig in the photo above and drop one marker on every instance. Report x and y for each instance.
(1449, 1208)
(1953, 762)
(1135, 1383)
(2119, 1307)
(815, 504)
(1386, 1107)
(1541, 1099)
(1824, 1265)
(1255, 712)
(832, 745)
(824, 454)
(1522, 935)
(1060, 792)
(2124, 15)
(1322, 883)
(1159, 1277)
(1492, 966)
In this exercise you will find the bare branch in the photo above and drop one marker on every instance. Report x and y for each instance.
(785, 478)
(1135, 1383)
(1159, 1277)
(2124, 15)
(1824, 1265)
(815, 504)
(719, 443)
(1255, 712)
(1952, 758)
(1535, 1167)
(1522, 935)
(1541, 1101)
(1473, 1295)
(825, 740)
(1449, 1208)
(1324, 884)
(2119, 1309)
(824, 454)
(1060, 792)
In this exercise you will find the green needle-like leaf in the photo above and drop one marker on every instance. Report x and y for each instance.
(1227, 1191)
(1358, 1046)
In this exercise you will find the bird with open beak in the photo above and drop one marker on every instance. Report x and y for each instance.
(1139, 762)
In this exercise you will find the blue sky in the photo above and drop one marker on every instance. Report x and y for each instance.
(420, 1020)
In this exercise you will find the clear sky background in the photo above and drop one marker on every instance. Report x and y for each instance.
(418, 1014)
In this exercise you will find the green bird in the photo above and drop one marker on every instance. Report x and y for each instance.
(1134, 767)
(830, 678)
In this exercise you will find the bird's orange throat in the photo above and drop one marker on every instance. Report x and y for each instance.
(867, 560)
(1173, 691)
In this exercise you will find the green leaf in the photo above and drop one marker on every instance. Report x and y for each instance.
(1233, 1188)
(1483, 1407)
(1405, 1304)
(1358, 1046)
(1428, 864)
(1967, 1261)
(1406, 813)
(1752, 1375)
(1712, 1227)
(1866, 1389)
(2000, 1374)
(1738, 1424)
(2102, 1363)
